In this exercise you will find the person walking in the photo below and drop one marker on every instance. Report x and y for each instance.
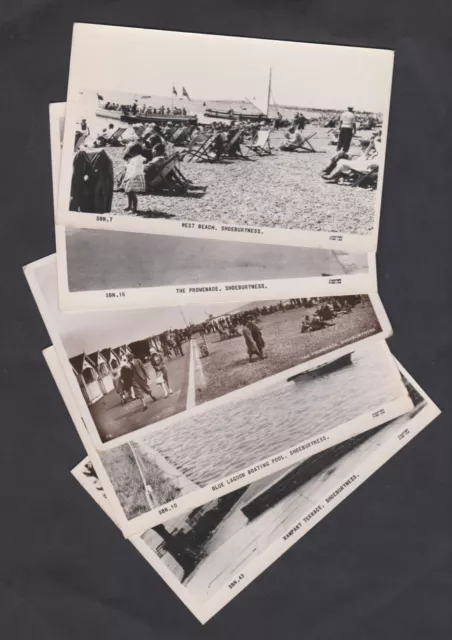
(253, 338)
(347, 129)
(161, 372)
(139, 380)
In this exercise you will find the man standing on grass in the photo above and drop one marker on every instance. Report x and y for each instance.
(140, 380)
(347, 128)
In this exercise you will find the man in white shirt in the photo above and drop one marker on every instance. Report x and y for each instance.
(347, 127)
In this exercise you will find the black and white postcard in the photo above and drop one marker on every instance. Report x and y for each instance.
(160, 473)
(250, 140)
(101, 269)
(210, 554)
(131, 370)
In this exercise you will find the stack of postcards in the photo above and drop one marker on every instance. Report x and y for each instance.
(217, 333)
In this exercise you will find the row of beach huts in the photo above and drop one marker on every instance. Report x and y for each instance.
(96, 372)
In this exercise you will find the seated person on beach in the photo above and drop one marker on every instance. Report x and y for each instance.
(234, 149)
(317, 323)
(368, 160)
(339, 155)
(305, 324)
(152, 168)
(104, 136)
(294, 139)
(253, 338)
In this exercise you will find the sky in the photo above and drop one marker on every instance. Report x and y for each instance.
(220, 67)
(87, 332)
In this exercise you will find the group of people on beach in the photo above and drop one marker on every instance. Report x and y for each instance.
(342, 164)
(142, 109)
(326, 312)
(132, 380)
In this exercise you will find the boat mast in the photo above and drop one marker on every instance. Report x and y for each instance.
(269, 91)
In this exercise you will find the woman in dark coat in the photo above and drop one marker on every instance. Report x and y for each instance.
(253, 338)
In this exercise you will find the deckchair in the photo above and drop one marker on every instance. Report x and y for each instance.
(184, 138)
(198, 148)
(114, 137)
(80, 140)
(177, 135)
(230, 144)
(261, 144)
(369, 176)
(169, 176)
(305, 144)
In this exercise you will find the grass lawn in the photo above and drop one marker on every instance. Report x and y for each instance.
(228, 368)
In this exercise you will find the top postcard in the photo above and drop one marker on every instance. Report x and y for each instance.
(225, 138)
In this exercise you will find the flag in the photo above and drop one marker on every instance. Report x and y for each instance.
(174, 91)
(185, 94)
(99, 97)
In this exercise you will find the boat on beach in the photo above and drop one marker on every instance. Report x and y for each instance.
(146, 118)
(234, 115)
(323, 369)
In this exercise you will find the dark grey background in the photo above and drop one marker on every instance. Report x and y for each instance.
(380, 565)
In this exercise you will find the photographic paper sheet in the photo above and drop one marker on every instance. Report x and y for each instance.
(158, 476)
(278, 149)
(130, 370)
(209, 555)
(99, 269)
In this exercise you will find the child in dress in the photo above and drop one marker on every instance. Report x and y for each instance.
(134, 180)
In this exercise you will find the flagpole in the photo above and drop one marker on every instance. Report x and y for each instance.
(172, 98)
(269, 91)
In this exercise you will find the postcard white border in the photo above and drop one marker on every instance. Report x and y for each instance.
(167, 511)
(139, 297)
(204, 610)
(249, 390)
(318, 239)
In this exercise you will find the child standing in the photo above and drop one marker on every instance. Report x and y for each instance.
(134, 180)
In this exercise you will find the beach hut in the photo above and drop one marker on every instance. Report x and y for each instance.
(111, 358)
(87, 377)
(103, 370)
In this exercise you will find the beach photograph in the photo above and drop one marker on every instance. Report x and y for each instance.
(250, 148)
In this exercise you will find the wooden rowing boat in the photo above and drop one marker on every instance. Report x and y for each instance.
(234, 115)
(323, 369)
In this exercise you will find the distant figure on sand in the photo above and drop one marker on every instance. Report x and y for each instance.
(294, 139)
(253, 338)
(347, 124)
(161, 372)
(139, 380)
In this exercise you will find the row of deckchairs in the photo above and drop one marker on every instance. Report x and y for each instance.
(200, 147)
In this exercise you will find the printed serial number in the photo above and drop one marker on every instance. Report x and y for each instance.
(169, 507)
(379, 413)
(104, 218)
(234, 583)
(335, 281)
(115, 294)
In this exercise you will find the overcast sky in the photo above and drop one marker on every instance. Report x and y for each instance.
(83, 331)
(218, 67)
